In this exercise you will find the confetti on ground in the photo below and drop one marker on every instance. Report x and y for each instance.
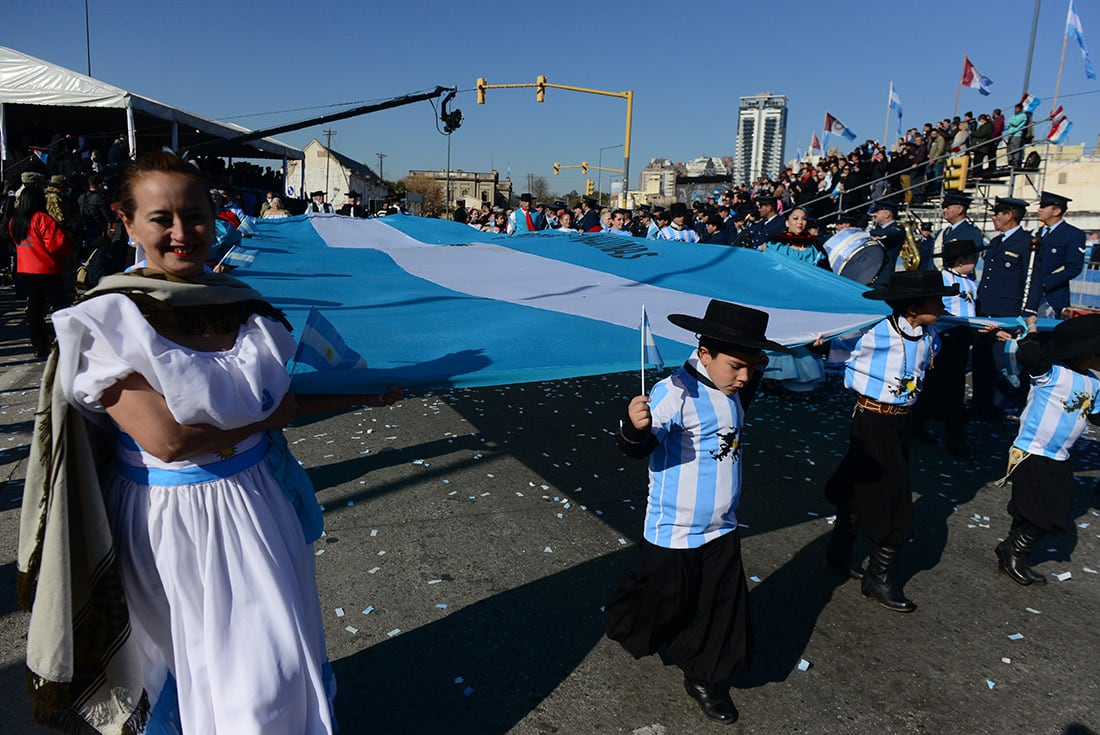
(1033, 610)
(441, 605)
(318, 552)
(1016, 637)
(1006, 660)
(1063, 576)
(989, 683)
(467, 691)
(368, 609)
(1089, 570)
(351, 503)
(393, 632)
(374, 532)
(351, 629)
(803, 665)
(339, 612)
(434, 581)
(754, 578)
(372, 570)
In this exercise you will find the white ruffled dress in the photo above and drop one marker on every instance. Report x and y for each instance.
(218, 574)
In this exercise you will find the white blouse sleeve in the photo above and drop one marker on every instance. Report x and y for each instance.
(106, 338)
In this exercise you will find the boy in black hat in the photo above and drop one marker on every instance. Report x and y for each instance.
(871, 487)
(1064, 395)
(689, 593)
(944, 394)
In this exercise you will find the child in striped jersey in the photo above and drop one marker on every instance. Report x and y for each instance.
(1065, 393)
(689, 594)
(871, 487)
(943, 397)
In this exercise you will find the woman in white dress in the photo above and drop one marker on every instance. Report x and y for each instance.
(211, 520)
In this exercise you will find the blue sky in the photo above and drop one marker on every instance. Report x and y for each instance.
(266, 63)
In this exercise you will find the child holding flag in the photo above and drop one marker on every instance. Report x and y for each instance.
(1065, 393)
(689, 593)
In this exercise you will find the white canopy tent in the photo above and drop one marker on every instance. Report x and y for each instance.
(28, 81)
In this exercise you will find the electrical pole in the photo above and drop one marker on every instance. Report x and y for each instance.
(380, 157)
(328, 154)
(87, 38)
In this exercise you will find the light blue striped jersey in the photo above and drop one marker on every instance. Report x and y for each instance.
(1057, 408)
(888, 367)
(695, 471)
(963, 304)
(671, 233)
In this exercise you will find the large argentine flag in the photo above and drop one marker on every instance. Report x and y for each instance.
(431, 303)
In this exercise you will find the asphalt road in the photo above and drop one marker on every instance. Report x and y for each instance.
(473, 536)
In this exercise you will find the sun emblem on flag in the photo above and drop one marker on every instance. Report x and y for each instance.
(1081, 401)
(226, 453)
(330, 354)
(730, 443)
(906, 385)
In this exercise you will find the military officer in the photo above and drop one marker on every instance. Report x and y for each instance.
(890, 234)
(1061, 254)
(1009, 287)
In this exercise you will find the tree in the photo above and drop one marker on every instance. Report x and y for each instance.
(540, 190)
(430, 189)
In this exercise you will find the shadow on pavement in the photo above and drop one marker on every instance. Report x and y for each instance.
(511, 651)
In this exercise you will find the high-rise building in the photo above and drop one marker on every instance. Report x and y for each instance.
(761, 137)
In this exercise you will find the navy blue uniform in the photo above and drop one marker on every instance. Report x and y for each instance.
(1061, 258)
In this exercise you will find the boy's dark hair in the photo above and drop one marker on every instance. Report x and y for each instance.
(900, 307)
(717, 346)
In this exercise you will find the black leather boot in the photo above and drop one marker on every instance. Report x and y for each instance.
(1013, 551)
(878, 580)
(713, 699)
(839, 551)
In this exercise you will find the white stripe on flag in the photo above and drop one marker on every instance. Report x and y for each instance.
(322, 346)
(549, 284)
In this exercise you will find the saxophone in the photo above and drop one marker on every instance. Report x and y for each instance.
(910, 251)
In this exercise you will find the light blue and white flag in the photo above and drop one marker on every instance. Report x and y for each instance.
(974, 79)
(1030, 102)
(239, 257)
(895, 105)
(322, 347)
(435, 304)
(1074, 30)
(651, 355)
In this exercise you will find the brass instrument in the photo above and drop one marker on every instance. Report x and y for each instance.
(910, 251)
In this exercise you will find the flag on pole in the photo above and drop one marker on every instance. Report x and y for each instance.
(650, 354)
(239, 257)
(832, 125)
(974, 79)
(322, 346)
(895, 105)
(1030, 103)
(815, 144)
(798, 154)
(1074, 30)
(1059, 126)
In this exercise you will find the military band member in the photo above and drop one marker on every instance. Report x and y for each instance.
(1061, 254)
(890, 234)
(959, 227)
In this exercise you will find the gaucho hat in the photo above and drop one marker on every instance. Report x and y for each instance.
(734, 324)
(913, 285)
(1077, 337)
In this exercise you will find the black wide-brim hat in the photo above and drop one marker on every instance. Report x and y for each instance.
(916, 285)
(733, 324)
(1077, 337)
(958, 248)
(678, 209)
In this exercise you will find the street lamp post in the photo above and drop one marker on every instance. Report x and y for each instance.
(599, 169)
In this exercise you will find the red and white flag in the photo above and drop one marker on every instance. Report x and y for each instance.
(815, 144)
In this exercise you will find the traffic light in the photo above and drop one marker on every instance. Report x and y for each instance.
(540, 88)
(584, 167)
(589, 187)
(481, 85)
(954, 173)
(556, 168)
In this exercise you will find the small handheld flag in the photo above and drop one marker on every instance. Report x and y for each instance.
(650, 354)
(322, 346)
(238, 257)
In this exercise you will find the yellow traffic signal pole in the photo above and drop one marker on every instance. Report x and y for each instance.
(541, 84)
